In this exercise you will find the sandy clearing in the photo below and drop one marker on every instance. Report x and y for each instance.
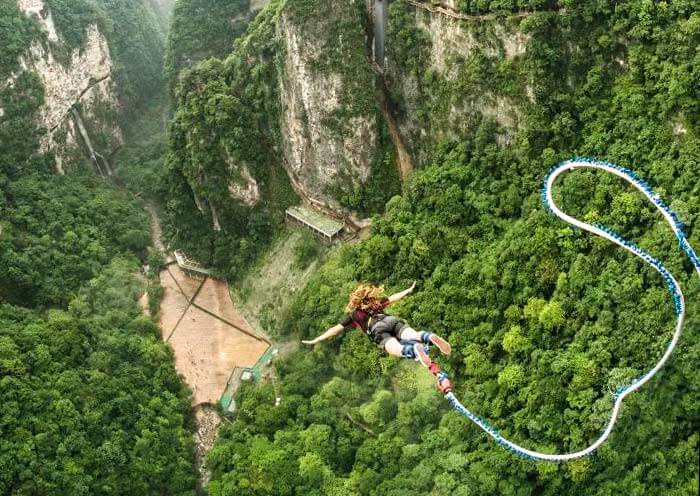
(206, 352)
(186, 284)
(215, 297)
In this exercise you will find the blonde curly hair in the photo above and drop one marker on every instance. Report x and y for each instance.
(365, 297)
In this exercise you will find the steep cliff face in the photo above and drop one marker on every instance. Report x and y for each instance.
(326, 148)
(438, 75)
(94, 62)
(295, 99)
(79, 106)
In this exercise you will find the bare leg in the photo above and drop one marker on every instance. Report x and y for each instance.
(393, 347)
(410, 334)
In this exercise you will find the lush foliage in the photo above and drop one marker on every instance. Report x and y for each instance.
(140, 162)
(137, 44)
(223, 127)
(16, 32)
(202, 29)
(54, 239)
(507, 6)
(544, 321)
(91, 401)
(227, 130)
(91, 404)
(382, 185)
(73, 17)
(19, 132)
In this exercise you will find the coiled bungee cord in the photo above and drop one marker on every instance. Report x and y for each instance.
(679, 303)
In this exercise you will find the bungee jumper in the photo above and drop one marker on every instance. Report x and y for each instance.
(365, 312)
(367, 302)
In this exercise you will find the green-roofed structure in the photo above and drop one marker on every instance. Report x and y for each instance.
(326, 228)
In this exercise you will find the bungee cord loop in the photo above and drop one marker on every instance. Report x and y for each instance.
(679, 303)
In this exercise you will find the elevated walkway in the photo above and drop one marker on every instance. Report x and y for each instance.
(190, 266)
(326, 228)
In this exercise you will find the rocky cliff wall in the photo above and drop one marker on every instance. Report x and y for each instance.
(438, 75)
(296, 99)
(326, 149)
(76, 83)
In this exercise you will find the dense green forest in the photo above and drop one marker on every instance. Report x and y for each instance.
(545, 321)
(202, 29)
(91, 401)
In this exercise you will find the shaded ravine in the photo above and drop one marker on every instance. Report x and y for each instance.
(207, 419)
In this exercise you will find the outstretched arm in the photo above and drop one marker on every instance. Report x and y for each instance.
(397, 296)
(333, 331)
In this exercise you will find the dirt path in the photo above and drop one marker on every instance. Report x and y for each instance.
(156, 231)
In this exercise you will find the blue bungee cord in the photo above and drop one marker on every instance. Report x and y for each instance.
(604, 232)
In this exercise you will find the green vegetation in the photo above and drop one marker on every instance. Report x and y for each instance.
(16, 32)
(227, 126)
(137, 45)
(19, 132)
(270, 287)
(383, 184)
(202, 29)
(544, 321)
(49, 252)
(91, 402)
(306, 251)
(507, 6)
(233, 103)
(73, 17)
(140, 162)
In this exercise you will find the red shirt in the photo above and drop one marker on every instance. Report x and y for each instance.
(360, 318)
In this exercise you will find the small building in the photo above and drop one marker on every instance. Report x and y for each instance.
(324, 227)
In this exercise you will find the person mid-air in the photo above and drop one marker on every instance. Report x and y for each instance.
(365, 313)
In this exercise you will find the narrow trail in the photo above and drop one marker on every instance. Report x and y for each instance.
(450, 12)
(156, 230)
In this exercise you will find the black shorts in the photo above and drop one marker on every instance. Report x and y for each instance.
(384, 328)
